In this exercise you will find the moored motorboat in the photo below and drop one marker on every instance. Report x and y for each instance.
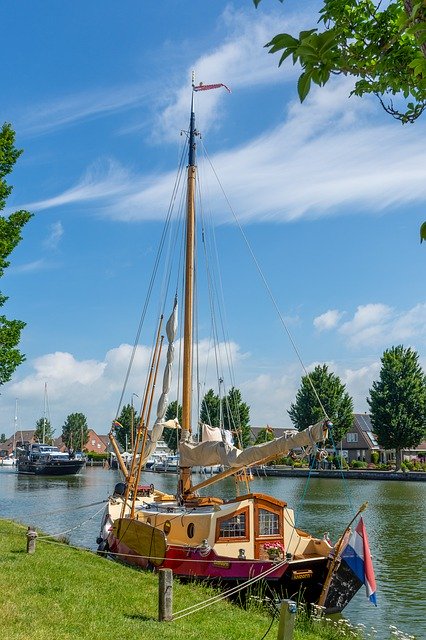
(47, 460)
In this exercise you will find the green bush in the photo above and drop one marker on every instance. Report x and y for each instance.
(94, 455)
(358, 464)
(375, 457)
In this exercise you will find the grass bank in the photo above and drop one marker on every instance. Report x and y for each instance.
(64, 593)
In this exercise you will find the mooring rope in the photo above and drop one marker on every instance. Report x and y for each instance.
(77, 526)
(225, 594)
(83, 506)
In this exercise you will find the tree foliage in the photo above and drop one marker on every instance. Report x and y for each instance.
(127, 417)
(210, 409)
(75, 431)
(382, 45)
(337, 403)
(232, 411)
(44, 431)
(265, 435)
(10, 236)
(398, 401)
(171, 436)
(236, 417)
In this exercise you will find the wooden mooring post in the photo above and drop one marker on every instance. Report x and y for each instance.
(165, 595)
(31, 540)
(287, 618)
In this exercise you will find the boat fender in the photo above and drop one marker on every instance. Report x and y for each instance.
(120, 489)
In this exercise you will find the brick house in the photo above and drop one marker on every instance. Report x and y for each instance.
(96, 443)
(20, 439)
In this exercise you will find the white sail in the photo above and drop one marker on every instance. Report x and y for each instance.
(157, 429)
(211, 453)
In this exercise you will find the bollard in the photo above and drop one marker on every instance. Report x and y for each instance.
(31, 540)
(287, 618)
(165, 595)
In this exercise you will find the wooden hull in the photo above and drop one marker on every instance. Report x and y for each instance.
(199, 542)
(303, 578)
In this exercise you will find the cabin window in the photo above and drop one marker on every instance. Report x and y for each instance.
(352, 437)
(269, 523)
(190, 530)
(234, 527)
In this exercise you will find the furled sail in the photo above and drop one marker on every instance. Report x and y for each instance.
(211, 453)
(157, 429)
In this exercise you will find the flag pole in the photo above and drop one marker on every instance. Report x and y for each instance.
(336, 557)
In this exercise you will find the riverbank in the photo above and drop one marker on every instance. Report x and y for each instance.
(349, 474)
(66, 593)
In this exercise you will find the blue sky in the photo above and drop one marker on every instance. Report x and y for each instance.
(331, 195)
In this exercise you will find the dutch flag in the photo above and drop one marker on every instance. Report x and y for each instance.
(357, 555)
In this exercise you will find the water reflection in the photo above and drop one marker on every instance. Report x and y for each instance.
(395, 522)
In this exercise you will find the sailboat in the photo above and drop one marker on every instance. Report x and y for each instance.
(248, 539)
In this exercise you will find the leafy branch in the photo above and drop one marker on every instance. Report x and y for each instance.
(383, 48)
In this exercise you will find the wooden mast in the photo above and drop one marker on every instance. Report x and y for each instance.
(185, 484)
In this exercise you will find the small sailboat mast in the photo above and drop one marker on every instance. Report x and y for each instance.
(185, 472)
(44, 413)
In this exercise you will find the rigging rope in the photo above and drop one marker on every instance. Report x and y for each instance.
(268, 289)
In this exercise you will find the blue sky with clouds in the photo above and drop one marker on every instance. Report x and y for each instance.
(330, 193)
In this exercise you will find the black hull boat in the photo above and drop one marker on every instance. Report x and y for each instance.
(46, 460)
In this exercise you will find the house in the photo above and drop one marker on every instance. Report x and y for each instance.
(96, 443)
(19, 439)
(360, 441)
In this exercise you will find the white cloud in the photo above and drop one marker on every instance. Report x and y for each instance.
(103, 180)
(328, 320)
(240, 62)
(67, 110)
(94, 387)
(354, 164)
(56, 231)
(379, 325)
(29, 267)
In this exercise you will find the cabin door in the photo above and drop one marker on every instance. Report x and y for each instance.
(268, 526)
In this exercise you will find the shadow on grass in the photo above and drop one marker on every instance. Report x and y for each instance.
(140, 616)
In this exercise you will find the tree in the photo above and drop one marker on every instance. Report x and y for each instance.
(170, 435)
(382, 45)
(3, 438)
(398, 401)
(337, 403)
(75, 431)
(210, 409)
(44, 431)
(265, 435)
(236, 417)
(127, 417)
(10, 236)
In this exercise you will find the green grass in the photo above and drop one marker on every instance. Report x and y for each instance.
(64, 593)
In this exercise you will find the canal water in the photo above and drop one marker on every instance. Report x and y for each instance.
(395, 521)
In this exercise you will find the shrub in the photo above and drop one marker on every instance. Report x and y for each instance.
(358, 464)
(94, 455)
(375, 457)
